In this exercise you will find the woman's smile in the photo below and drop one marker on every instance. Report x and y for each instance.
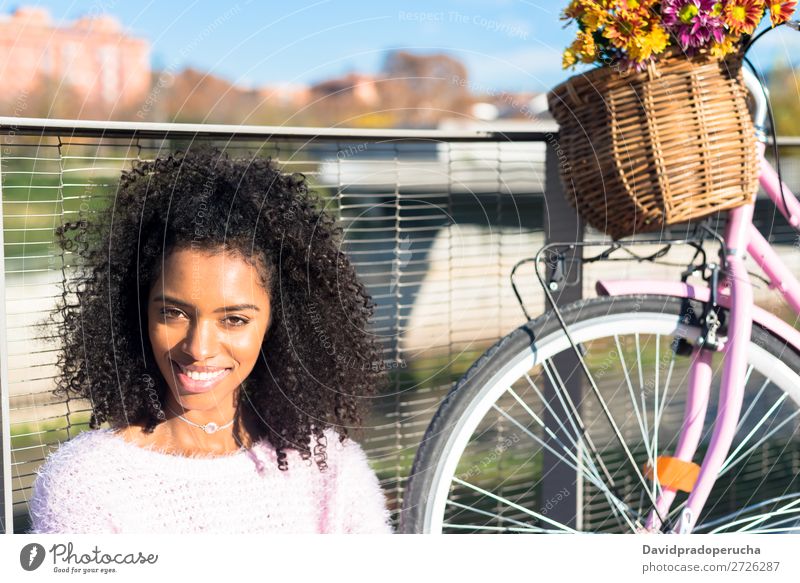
(201, 379)
(207, 332)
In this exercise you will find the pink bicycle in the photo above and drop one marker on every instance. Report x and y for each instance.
(658, 406)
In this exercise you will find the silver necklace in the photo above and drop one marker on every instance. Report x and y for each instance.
(209, 427)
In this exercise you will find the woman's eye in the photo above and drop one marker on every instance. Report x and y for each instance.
(171, 312)
(233, 321)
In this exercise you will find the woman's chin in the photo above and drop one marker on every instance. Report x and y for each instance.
(208, 399)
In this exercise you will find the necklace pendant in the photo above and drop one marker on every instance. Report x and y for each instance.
(210, 427)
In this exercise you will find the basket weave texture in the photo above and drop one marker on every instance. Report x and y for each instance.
(644, 150)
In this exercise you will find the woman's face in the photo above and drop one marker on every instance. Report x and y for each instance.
(207, 316)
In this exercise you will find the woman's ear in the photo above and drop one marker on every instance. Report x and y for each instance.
(270, 320)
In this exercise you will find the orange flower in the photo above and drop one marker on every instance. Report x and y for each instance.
(742, 16)
(626, 26)
(780, 12)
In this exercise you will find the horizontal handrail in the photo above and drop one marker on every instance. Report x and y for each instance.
(31, 126)
(20, 126)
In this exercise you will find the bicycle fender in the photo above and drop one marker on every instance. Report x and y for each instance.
(768, 320)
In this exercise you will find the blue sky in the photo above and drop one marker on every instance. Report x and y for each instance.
(505, 44)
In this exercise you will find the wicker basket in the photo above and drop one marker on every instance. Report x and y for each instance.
(644, 150)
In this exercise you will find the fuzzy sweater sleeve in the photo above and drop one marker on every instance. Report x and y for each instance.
(358, 504)
(65, 498)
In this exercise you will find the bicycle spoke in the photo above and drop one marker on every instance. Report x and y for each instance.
(765, 474)
(508, 502)
(555, 378)
(641, 379)
(764, 518)
(634, 405)
(547, 430)
(655, 418)
(791, 507)
(722, 519)
(793, 520)
(746, 414)
(776, 530)
(593, 478)
(729, 464)
(603, 405)
(660, 413)
(498, 528)
(616, 430)
(667, 382)
(621, 441)
(495, 516)
(552, 412)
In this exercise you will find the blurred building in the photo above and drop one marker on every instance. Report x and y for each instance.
(292, 95)
(356, 88)
(92, 56)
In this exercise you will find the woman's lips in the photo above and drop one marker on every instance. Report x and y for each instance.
(195, 386)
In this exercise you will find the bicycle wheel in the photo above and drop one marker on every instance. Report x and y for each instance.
(508, 451)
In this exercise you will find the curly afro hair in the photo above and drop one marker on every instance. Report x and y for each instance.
(318, 360)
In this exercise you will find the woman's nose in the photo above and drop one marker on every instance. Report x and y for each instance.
(201, 341)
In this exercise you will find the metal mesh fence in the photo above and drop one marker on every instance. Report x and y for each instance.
(433, 225)
(433, 222)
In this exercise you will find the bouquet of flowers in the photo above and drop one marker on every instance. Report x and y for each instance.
(660, 132)
(630, 33)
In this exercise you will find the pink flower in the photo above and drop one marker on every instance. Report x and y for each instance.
(707, 26)
(693, 22)
(676, 12)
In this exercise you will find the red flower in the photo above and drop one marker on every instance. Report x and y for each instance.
(743, 16)
(780, 12)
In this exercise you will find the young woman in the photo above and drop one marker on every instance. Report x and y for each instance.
(219, 330)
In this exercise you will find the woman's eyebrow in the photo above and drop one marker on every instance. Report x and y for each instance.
(234, 308)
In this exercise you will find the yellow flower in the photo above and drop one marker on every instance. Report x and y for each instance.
(633, 26)
(586, 44)
(582, 49)
(655, 41)
(568, 59)
(640, 5)
(726, 47)
(594, 17)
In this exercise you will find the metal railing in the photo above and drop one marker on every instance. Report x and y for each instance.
(433, 220)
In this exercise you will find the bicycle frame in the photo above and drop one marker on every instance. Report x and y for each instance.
(741, 238)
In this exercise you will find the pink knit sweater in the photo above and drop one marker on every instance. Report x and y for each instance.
(98, 482)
